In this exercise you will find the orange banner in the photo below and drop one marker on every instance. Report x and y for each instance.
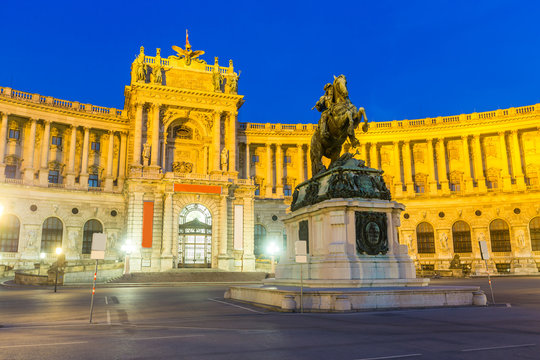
(148, 223)
(192, 188)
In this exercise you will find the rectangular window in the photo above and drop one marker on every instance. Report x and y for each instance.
(56, 140)
(14, 134)
(454, 187)
(420, 188)
(11, 171)
(254, 159)
(492, 184)
(95, 146)
(53, 176)
(93, 180)
(287, 190)
(287, 160)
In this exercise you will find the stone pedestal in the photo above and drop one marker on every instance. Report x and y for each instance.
(343, 237)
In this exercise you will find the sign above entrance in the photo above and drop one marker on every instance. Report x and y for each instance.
(193, 188)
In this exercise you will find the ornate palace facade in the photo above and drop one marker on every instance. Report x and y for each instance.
(175, 178)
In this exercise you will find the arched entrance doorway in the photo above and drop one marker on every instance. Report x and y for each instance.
(195, 237)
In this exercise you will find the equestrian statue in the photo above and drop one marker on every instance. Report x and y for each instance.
(339, 119)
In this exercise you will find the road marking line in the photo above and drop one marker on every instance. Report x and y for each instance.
(106, 302)
(166, 337)
(108, 317)
(498, 347)
(54, 344)
(238, 306)
(390, 357)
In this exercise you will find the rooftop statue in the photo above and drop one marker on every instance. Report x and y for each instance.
(188, 54)
(339, 118)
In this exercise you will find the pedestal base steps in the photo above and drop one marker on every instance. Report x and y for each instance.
(287, 298)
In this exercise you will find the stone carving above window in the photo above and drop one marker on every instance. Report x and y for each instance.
(182, 167)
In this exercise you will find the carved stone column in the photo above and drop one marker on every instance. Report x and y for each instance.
(269, 174)
(3, 141)
(110, 159)
(137, 135)
(301, 177)
(155, 136)
(205, 155)
(477, 162)
(44, 166)
(223, 258)
(29, 170)
(407, 168)
(70, 178)
(398, 185)
(233, 153)
(83, 177)
(217, 141)
(506, 179)
(248, 161)
(279, 170)
(373, 156)
(517, 170)
(363, 152)
(431, 168)
(122, 159)
(441, 165)
(467, 178)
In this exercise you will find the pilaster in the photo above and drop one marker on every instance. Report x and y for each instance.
(477, 162)
(29, 170)
(269, 165)
(44, 166)
(467, 178)
(517, 170)
(441, 164)
(398, 185)
(407, 168)
(279, 170)
(506, 179)
(432, 183)
(83, 177)
(110, 159)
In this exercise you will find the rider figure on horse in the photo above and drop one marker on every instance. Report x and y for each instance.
(324, 105)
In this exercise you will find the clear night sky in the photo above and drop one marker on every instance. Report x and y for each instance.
(402, 59)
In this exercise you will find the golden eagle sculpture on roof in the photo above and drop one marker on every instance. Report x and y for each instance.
(188, 54)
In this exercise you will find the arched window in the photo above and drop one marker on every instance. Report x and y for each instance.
(195, 237)
(425, 238)
(500, 236)
(534, 231)
(51, 235)
(91, 227)
(461, 234)
(9, 233)
(259, 239)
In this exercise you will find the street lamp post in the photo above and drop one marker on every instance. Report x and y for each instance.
(58, 252)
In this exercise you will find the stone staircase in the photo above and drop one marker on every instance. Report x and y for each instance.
(191, 275)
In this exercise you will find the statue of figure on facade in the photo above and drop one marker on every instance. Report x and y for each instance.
(140, 69)
(217, 78)
(146, 154)
(225, 160)
(188, 54)
(339, 119)
(233, 83)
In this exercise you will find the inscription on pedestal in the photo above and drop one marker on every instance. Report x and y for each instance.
(303, 233)
(371, 233)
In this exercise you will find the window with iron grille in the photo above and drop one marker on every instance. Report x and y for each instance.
(9, 233)
(93, 180)
(94, 146)
(14, 134)
(499, 234)
(287, 190)
(51, 235)
(425, 238)
(91, 227)
(11, 171)
(534, 231)
(461, 234)
(53, 176)
(259, 238)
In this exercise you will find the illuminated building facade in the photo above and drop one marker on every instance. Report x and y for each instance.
(178, 179)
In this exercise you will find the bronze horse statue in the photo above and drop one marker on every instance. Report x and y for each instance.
(342, 118)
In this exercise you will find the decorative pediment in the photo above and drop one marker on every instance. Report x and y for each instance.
(95, 170)
(456, 177)
(493, 173)
(453, 151)
(182, 167)
(55, 165)
(12, 160)
(420, 178)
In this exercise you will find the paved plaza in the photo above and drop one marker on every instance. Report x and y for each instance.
(195, 322)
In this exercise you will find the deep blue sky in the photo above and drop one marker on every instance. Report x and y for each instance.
(402, 59)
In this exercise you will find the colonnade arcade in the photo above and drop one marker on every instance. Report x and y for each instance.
(47, 153)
